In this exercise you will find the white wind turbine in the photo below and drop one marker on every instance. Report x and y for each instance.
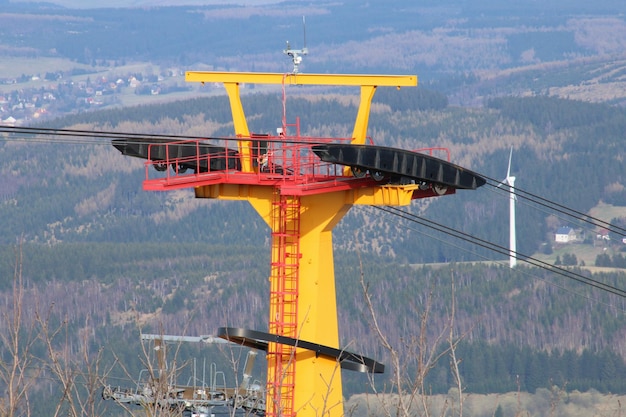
(510, 181)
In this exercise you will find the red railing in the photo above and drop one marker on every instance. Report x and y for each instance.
(432, 151)
(289, 159)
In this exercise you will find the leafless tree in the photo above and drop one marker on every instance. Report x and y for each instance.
(18, 372)
(407, 393)
(80, 376)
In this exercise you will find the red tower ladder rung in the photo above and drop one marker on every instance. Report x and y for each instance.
(284, 274)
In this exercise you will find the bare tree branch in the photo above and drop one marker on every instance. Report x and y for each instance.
(419, 352)
(18, 375)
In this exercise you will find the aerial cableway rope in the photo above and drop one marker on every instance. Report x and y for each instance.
(503, 250)
(519, 271)
(93, 137)
(587, 223)
(543, 202)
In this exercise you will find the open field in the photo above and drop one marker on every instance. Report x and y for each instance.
(544, 402)
(607, 212)
(584, 253)
(11, 67)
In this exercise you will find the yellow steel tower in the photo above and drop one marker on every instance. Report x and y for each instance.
(301, 200)
(302, 280)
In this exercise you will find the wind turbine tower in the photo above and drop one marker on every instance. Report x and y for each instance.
(510, 181)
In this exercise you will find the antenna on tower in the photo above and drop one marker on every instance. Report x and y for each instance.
(297, 54)
(510, 181)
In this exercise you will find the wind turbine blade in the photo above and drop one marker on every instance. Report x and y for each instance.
(508, 170)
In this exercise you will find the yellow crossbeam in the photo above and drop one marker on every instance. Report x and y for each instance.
(232, 81)
(302, 79)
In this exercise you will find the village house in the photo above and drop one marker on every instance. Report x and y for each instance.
(603, 234)
(564, 234)
(9, 121)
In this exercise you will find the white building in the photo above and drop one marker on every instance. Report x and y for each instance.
(565, 235)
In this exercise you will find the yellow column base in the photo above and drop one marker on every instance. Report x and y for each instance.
(318, 389)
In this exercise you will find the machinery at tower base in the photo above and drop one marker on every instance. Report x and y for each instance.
(204, 393)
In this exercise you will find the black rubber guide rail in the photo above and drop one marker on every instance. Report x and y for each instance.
(259, 340)
(382, 161)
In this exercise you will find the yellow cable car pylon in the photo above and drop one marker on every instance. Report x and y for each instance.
(301, 187)
(298, 381)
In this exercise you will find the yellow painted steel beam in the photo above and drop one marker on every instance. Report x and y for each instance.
(363, 116)
(392, 195)
(301, 79)
(240, 124)
(368, 84)
(260, 196)
(318, 379)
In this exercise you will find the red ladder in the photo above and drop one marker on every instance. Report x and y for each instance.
(283, 321)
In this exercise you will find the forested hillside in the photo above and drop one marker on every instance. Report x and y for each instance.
(557, 144)
(524, 330)
(89, 260)
(110, 259)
